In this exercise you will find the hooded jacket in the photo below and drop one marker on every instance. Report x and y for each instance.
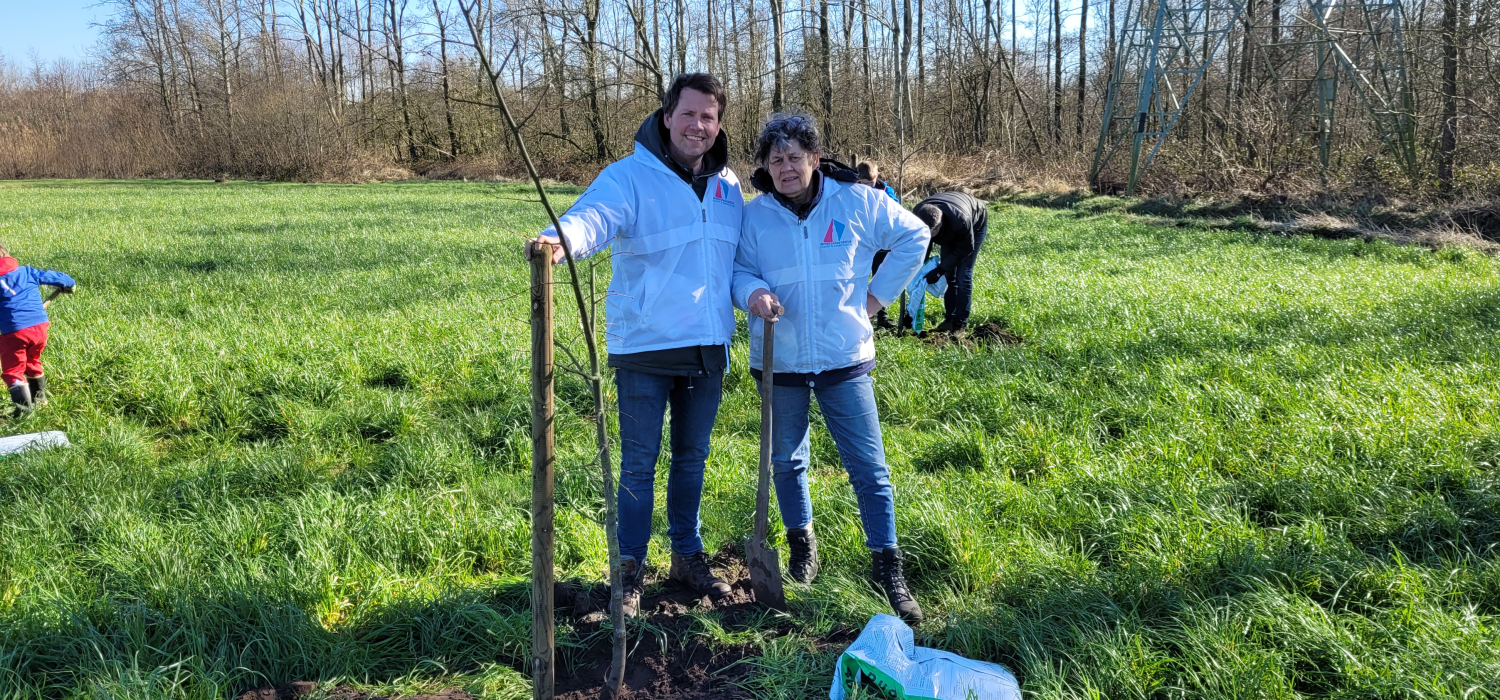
(20, 302)
(673, 245)
(817, 264)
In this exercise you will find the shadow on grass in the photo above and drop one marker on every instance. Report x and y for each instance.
(245, 639)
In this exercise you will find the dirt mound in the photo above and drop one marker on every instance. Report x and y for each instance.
(677, 664)
(669, 659)
(290, 691)
(984, 334)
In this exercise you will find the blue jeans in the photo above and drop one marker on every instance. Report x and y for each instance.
(850, 414)
(959, 298)
(644, 399)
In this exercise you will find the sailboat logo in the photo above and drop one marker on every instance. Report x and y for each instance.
(835, 235)
(720, 191)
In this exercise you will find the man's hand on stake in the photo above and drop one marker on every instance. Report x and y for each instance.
(765, 305)
(934, 276)
(557, 251)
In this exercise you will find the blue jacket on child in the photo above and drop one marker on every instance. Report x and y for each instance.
(20, 302)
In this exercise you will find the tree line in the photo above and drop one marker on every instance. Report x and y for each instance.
(340, 89)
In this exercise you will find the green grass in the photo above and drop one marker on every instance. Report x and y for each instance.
(1222, 465)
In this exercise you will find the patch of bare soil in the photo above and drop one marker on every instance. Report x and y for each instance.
(290, 691)
(984, 334)
(671, 663)
(668, 662)
(990, 333)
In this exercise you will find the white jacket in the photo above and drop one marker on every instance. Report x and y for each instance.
(820, 270)
(673, 254)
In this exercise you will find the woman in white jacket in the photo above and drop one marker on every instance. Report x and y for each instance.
(807, 244)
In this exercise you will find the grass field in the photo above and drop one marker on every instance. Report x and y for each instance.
(1221, 465)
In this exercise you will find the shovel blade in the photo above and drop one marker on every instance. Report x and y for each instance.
(765, 574)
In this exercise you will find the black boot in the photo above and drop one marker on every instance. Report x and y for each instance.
(889, 577)
(692, 571)
(38, 390)
(802, 559)
(633, 578)
(883, 321)
(20, 394)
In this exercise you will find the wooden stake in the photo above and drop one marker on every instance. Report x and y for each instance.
(543, 410)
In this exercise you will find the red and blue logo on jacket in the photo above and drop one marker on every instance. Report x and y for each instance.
(837, 235)
(721, 193)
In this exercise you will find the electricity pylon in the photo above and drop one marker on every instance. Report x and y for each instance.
(1166, 47)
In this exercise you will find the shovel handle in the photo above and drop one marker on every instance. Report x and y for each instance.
(55, 293)
(767, 390)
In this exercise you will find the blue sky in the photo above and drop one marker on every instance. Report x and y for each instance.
(53, 28)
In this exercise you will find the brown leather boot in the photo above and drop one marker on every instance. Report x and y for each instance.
(633, 578)
(692, 571)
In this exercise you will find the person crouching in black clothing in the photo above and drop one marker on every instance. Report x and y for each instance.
(958, 222)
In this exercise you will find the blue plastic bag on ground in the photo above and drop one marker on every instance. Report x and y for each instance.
(918, 289)
(885, 656)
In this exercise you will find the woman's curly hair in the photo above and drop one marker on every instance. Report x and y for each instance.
(781, 130)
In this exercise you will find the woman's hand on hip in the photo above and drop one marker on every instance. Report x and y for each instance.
(872, 305)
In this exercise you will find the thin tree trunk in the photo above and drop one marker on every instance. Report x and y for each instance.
(826, 73)
(1057, 85)
(868, 94)
(778, 52)
(453, 145)
(1448, 139)
(682, 37)
(396, 11)
(591, 68)
(917, 111)
(616, 675)
(1083, 66)
(904, 80)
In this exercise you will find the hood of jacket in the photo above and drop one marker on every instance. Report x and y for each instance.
(653, 137)
(9, 265)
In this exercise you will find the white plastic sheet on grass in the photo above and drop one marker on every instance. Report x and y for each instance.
(886, 656)
(33, 441)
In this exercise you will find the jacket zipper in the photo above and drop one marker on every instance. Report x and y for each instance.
(807, 264)
(807, 267)
(703, 250)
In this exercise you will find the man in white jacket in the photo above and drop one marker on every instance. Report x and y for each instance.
(807, 245)
(671, 212)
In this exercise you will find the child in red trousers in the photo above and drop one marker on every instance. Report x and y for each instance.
(23, 328)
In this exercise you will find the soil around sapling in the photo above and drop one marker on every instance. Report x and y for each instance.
(668, 658)
(293, 691)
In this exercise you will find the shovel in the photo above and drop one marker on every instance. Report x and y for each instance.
(55, 292)
(764, 565)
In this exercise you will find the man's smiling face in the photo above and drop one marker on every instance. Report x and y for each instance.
(693, 126)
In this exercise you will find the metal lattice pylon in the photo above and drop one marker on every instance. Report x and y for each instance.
(1166, 44)
(1362, 41)
(1163, 51)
